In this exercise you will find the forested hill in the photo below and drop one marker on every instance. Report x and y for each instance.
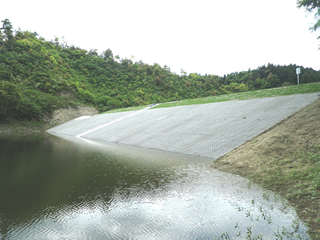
(39, 76)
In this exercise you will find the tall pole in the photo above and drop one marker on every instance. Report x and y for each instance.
(298, 72)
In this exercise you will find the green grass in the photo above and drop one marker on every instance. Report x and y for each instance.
(297, 178)
(307, 173)
(272, 92)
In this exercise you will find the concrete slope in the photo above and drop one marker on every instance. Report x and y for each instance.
(206, 130)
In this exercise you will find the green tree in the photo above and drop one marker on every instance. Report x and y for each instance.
(93, 52)
(7, 29)
(108, 55)
(312, 6)
(8, 33)
(117, 57)
(1, 38)
(183, 72)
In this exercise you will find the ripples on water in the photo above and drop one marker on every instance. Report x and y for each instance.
(56, 189)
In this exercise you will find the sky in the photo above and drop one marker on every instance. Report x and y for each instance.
(199, 36)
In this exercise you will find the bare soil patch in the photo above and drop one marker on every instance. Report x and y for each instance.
(66, 114)
(285, 159)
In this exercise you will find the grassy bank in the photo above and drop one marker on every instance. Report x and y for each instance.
(286, 160)
(272, 92)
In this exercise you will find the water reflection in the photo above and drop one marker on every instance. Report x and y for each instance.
(52, 188)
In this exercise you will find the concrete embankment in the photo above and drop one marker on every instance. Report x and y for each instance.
(206, 130)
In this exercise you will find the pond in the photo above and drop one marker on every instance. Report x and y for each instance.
(55, 188)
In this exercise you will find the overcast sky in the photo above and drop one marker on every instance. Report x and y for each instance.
(202, 36)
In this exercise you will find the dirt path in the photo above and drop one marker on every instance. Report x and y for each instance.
(285, 159)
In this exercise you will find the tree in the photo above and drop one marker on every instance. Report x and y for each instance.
(93, 52)
(7, 29)
(108, 55)
(312, 6)
(183, 72)
(8, 33)
(118, 58)
(1, 38)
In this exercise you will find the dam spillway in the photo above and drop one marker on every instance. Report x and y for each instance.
(205, 130)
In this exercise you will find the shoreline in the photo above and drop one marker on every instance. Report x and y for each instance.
(58, 117)
(22, 128)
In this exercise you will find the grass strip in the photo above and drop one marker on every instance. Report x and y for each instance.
(271, 92)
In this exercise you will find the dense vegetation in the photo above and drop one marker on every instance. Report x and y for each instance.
(39, 76)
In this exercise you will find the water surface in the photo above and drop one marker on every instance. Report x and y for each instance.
(53, 188)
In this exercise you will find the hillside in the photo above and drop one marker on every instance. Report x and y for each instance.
(39, 76)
